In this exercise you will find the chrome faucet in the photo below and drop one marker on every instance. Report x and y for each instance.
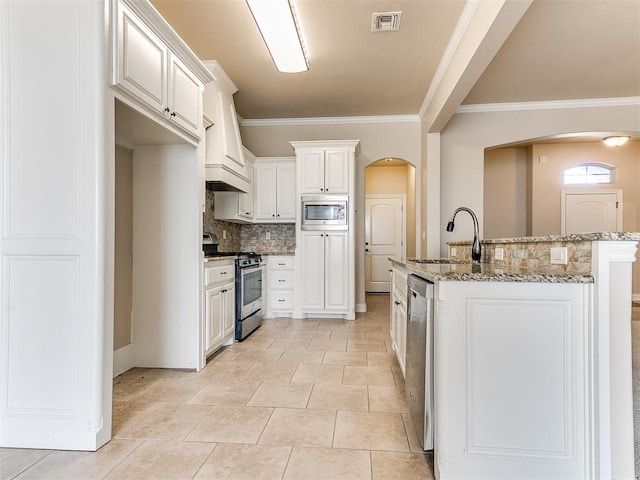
(476, 250)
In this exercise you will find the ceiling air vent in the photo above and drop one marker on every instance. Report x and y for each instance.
(386, 21)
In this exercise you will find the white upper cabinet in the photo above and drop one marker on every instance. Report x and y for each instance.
(185, 96)
(225, 164)
(141, 67)
(155, 69)
(324, 171)
(275, 190)
(234, 206)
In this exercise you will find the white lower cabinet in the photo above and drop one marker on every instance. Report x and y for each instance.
(325, 272)
(219, 307)
(513, 388)
(398, 323)
(280, 286)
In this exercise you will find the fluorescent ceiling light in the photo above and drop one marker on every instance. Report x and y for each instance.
(277, 23)
(615, 141)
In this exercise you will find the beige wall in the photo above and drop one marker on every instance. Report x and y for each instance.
(467, 136)
(505, 193)
(377, 141)
(123, 247)
(547, 180)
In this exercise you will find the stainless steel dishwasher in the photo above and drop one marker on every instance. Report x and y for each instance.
(419, 358)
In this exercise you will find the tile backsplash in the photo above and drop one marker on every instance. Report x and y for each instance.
(251, 237)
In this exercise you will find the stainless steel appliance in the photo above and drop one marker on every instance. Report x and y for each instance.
(325, 212)
(248, 285)
(419, 358)
(248, 294)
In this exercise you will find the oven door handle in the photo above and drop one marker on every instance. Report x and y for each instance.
(246, 271)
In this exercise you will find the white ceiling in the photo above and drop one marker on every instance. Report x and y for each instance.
(561, 49)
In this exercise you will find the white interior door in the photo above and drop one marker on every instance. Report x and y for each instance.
(384, 238)
(591, 211)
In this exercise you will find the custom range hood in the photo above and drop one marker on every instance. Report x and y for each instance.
(225, 166)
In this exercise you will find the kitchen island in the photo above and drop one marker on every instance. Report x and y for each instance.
(532, 360)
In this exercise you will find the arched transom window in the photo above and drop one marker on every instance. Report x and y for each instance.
(588, 173)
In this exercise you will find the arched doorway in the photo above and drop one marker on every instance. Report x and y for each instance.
(389, 213)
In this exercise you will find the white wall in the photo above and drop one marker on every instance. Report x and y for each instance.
(464, 139)
(377, 141)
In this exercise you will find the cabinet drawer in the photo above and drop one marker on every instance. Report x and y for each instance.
(281, 280)
(281, 263)
(400, 282)
(281, 300)
(222, 273)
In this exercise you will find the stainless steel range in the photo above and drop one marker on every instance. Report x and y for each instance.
(248, 294)
(248, 285)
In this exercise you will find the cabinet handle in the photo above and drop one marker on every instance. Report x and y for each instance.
(173, 114)
(167, 110)
(281, 264)
(280, 300)
(396, 302)
(281, 281)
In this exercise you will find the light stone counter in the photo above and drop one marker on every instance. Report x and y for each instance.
(463, 271)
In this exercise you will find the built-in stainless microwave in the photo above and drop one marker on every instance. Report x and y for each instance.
(325, 212)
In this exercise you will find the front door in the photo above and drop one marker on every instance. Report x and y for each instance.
(591, 211)
(384, 238)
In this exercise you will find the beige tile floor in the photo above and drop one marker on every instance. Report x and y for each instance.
(299, 399)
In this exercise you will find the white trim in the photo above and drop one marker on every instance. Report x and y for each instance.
(454, 41)
(549, 105)
(589, 191)
(123, 360)
(268, 122)
(362, 307)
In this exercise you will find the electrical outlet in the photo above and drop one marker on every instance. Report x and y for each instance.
(267, 235)
(559, 256)
(224, 234)
(453, 251)
(499, 253)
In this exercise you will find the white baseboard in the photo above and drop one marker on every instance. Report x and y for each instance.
(361, 307)
(123, 360)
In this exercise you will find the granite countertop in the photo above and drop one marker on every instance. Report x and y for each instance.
(575, 237)
(438, 270)
(278, 254)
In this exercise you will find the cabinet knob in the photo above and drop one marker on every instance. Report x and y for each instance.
(322, 189)
(173, 114)
(167, 110)
(396, 302)
(366, 249)
(278, 215)
(273, 215)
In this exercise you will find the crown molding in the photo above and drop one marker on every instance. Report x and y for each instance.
(268, 122)
(549, 105)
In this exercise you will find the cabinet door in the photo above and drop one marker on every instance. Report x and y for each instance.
(265, 192)
(213, 317)
(286, 193)
(336, 261)
(229, 309)
(336, 171)
(185, 97)
(312, 171)
(399, 327)
(245, 200)
(142, 61)
(312, 265)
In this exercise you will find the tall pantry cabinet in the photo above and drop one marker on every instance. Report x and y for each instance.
(57, 207)
(326, 258)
